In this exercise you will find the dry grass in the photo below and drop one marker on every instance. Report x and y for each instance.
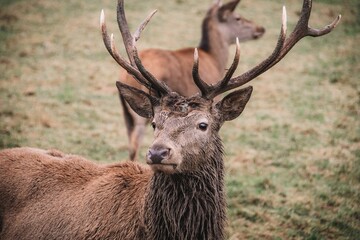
(293, 156)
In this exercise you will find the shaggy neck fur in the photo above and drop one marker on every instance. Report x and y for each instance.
(188, 205)
(214, 43)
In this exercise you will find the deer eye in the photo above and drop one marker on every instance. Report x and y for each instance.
(193, 105)
(153, 124)
(203, 126)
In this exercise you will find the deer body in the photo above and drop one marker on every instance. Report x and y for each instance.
(47, 195)
(50, 195)
(180, 195)
(220, 28)
(177, 70)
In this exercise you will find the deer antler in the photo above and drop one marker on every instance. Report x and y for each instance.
(206, 89)
(134, 65)
(283, 46)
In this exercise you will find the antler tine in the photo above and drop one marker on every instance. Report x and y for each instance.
(130, 46)
(229, 73)
(284, 45)
(161, 86)
(302, 30)
(203, 86)
(155, 84)
(217, 2)
(143, 25)
(128, 39)
(257, 70)
(134, 67)
(110, 46)
(325, 30)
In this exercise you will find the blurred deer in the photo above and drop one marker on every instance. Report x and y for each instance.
(51, 195)
(220, 27)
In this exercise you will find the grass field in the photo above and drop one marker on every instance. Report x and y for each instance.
(292, 158)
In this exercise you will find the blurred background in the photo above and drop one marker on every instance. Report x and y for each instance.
(292, 158)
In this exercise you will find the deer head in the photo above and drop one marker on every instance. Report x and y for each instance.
(234, 25)
(228, 25)
(186, 129)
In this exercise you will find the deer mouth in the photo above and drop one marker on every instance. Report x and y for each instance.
(163, 167)
(258, 35)
(163, 164)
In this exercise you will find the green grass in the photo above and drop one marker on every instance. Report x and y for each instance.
(292, 158)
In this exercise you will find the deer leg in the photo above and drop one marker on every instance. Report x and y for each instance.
(129, 123)
(137, 136)
(135, 127)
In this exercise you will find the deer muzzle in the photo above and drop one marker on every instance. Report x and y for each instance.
(157, 154)
(161, 158)
(259, 32)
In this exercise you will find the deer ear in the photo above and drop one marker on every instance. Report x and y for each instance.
(141, 102)
(232, 105)
(227, 8)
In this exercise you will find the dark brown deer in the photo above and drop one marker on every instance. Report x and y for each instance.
(220, 27)
(50, 195)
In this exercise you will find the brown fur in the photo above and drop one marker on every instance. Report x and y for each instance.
(220, 27)
(51, 195)
(43, 196)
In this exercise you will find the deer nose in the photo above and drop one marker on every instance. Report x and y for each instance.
(259, 32)
(157, 154)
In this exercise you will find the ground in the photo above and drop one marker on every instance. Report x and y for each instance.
(292, 158)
